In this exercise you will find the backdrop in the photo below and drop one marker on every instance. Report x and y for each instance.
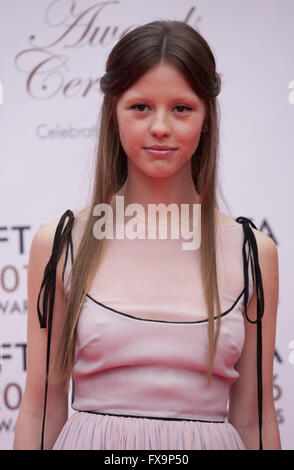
(52, 55)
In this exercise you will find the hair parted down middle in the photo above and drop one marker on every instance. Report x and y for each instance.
(177, 44)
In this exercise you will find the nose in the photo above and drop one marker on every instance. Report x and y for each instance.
(160, 125)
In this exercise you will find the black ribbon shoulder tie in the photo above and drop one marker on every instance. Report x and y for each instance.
(250, 241)
(62, 236)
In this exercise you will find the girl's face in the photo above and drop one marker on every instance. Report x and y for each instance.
(160, 110)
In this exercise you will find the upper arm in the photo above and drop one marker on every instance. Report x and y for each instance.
(243, 406)
(40, 253)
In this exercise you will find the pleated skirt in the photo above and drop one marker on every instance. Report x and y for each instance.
(87, 431)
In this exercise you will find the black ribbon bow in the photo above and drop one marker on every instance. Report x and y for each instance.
(249, 239)
(62, 237)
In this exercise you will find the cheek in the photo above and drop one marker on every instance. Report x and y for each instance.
(128, 140)
(130, 133)
(190, 137)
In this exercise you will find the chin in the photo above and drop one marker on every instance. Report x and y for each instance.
(157, 173)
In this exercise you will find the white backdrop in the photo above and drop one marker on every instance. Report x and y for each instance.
(52, 55)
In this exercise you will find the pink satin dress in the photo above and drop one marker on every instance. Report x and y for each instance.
(140, 371)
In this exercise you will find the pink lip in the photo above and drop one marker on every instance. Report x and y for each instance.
(160, 147)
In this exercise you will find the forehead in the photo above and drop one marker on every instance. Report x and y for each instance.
(164, 79)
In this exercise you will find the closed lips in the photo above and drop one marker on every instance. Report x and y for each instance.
(157, 147)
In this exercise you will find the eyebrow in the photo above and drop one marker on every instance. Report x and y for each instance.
(176, 99)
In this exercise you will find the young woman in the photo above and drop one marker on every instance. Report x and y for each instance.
(167, 348)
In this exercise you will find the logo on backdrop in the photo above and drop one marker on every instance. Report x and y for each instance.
(278, 391)
(16, 352)
(13, 275)
(11, 391)
(70, 28)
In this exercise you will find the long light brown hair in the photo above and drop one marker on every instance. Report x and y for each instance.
(180, 45)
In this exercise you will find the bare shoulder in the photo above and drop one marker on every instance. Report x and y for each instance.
(223, 220)
(263, 241)
(44, 236)
(41, 249)
(83, 214)
(42, 245)
(267, 250)
(269, 267)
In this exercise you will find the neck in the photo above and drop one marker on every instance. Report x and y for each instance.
(149, 190)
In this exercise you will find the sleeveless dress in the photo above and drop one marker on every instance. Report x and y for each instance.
(140, 370)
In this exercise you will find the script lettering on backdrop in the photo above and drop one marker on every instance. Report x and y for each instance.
(47, 68)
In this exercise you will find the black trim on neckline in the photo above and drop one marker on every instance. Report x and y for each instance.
(164, 321)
